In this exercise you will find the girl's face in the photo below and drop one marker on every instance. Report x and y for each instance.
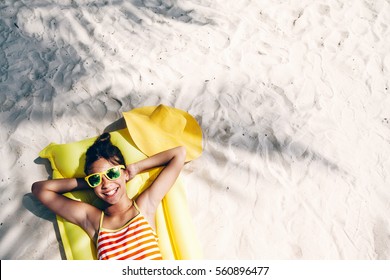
(111, 191)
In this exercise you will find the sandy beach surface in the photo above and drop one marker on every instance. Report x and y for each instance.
(293, 98)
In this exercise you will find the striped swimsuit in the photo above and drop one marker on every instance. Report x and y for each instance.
(136, 240)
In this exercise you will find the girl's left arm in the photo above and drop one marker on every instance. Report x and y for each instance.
(173, 161)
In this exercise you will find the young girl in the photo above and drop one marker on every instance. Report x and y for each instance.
(125, 228)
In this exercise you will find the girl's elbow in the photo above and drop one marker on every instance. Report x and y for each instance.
(182, 152)
(37, 187)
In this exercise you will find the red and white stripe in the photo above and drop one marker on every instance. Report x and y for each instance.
(136, 241)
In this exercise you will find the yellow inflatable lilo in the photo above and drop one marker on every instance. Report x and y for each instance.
(177, 239)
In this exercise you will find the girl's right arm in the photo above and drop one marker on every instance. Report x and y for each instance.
(50, 192)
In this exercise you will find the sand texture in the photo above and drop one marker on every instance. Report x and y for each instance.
(293, 98)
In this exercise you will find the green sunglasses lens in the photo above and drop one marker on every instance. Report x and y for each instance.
(113, 173)
(94, 180)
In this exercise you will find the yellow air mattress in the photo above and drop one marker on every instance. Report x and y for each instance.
(176, 233)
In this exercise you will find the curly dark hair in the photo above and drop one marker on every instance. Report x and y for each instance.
(103, 148)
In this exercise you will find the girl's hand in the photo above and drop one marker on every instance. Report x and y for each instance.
(133, 170)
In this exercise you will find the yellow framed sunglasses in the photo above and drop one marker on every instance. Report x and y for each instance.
(111, 174)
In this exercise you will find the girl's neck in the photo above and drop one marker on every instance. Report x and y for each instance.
(119, 208)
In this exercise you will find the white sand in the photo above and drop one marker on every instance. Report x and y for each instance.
(293, 98)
